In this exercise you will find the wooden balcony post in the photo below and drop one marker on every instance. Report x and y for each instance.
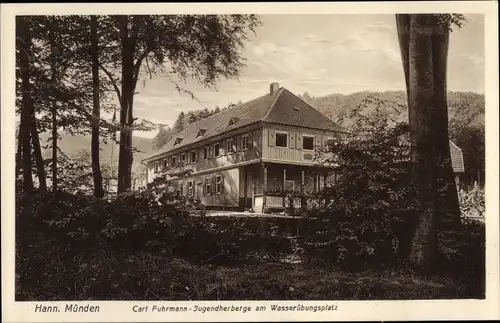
(264, 185)
(284, 185)
(302, 184)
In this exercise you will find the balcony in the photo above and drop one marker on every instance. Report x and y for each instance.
(275, 201)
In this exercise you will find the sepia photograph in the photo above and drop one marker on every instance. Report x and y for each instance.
(197, 157)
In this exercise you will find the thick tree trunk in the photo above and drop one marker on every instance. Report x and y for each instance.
(27, 103)
(19, 152)
(127, 91)
(37, 151)
(54, 109)
(96, 111)
(449, 210)
(421, 101)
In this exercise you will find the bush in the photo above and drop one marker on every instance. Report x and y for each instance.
(472, 202)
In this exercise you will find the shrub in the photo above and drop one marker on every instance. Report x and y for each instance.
(472, 202)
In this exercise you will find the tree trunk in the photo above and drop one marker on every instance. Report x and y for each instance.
(19, 152)
(449, 210)
(37, 151)
(54, 109)
(27, 103)
(127, 91)
(96, 110)
(421, 101)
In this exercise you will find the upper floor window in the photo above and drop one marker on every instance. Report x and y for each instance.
(308, 142)
(205, 153)
(193, 157)
(174, 161)
(329, 144)
(230, 146)
(183, 158)
(281, 139)
(165, 163)
(245, 144)
(216, 150)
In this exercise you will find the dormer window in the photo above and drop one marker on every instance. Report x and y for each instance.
(201, 133)
(177, 141)
(232, 121)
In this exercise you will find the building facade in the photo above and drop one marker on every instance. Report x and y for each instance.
(247, 156)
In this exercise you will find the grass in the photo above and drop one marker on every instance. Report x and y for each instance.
(105, 275)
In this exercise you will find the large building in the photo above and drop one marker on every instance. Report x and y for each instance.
(245, 157)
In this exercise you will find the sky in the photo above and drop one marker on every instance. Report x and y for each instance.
(320, 55)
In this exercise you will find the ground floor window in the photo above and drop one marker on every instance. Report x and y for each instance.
(289, 185)
(208, 186)
(190, 188)
(218, 184)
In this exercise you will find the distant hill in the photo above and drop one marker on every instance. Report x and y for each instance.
(339, 106)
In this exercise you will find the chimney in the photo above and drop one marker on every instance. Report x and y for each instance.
(274, 88)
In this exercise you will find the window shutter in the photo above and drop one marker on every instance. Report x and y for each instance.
(222, 184)
(272, 137)
(214, 190)
(250, 140)
(299, 140)
(291, 139)
(317, 141)
(204, 187)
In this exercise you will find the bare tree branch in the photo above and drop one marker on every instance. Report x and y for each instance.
(113, 82)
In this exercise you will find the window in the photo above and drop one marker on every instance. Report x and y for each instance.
(328, 144)
(190, 188)
(193, 157)
(308, 142)
(244, 142)
(173, 161)
(217, 150)
(165, 163)
(218, 184)
(289, 186)
(201, 133)
(230, 146)
(177, 141)
(281, 139)
(205, 153)
(208, 186)
(232, 121)
(183, 158)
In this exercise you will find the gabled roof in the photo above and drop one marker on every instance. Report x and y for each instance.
(278, 107)
(457, 158)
